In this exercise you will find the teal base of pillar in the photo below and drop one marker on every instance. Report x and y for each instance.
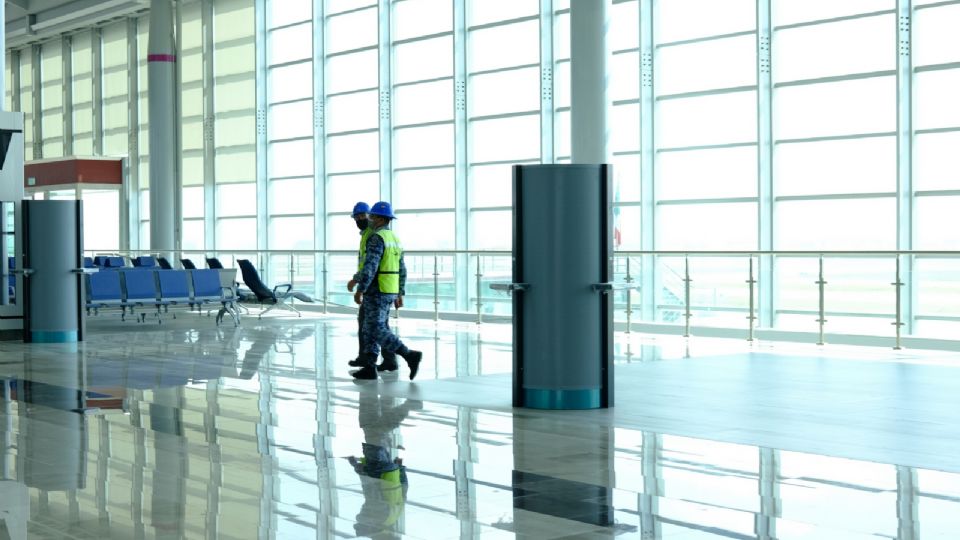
(69, 336)
(538, 398)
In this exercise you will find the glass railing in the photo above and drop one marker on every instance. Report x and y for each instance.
(815, 294)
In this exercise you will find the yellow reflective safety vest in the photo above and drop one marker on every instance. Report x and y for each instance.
(362, 256)
(388, 275)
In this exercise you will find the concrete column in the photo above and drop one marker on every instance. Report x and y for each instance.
(590, 101)
(161, 60)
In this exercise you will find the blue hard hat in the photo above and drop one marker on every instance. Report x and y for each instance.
(360, 208)
(382, 208)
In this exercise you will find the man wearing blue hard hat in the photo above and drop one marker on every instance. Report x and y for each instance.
(362, 219)
(380, 284)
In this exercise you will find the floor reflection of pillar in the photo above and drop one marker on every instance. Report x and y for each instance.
(770, 508)
(104, 454)
(649, 503)
(214, 454)
(463, 472)
(907, 512)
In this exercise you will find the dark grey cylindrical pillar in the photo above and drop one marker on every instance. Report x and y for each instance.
(562, 324)
(53, 252)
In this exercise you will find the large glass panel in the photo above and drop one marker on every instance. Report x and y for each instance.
(290, 11)
(426, 59)
(293, 196)
(933, 35)
(360, 152)
(706, 174)
(835, 167)
(723, 118)
(291, 43)
(485, 11)
(852, 46)
(504, 46)
(343, 191)
(426, 231)
(413, 18)
(431, 188)
(101, 219)
(291, 158)
(516, 90)
(936, 99)
(352, 72)
(353, 111)
(712, 18)
(193, 201)
(856, 224)
(729, 226)
(491, 185)
(720, 63)
(291, 233)
(838, 108)
(427, 102)
(237, 200)
(291, 82)
(193, 235)
(237, 234)
(936, 162)
(491, 230)
(352, 30)
(424, 146)
(933, 214)
(791, 11)
(291, 120)
(516, 138)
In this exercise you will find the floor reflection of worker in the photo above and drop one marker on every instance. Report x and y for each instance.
(382, 473)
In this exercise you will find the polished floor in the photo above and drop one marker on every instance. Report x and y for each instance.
(186, 430)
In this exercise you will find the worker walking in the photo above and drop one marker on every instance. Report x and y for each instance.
(380, 284)
(362, 220)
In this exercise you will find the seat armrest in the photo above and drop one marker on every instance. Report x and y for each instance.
(288, 286)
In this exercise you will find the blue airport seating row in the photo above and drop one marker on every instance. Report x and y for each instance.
(158, 290)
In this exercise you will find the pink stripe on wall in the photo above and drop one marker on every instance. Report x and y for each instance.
(161, 58)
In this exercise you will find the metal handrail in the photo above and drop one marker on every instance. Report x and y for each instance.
(678, 280)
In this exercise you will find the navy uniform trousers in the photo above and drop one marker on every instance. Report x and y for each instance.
(375, 334)
(387, 355)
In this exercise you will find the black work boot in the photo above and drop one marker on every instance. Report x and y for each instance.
(367, 373)
(356, 362)
(389, 363)
(413, 361)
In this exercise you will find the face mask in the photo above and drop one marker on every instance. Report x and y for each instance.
(363, 224)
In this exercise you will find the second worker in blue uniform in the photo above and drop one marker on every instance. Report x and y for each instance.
(379, 286)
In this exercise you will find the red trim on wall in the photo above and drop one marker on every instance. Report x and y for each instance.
(161, 58)
(73, 171)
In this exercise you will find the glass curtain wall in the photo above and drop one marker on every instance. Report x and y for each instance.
(428, 103)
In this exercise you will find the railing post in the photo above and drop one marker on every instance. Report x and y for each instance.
(479, 290)
(629, 280)
(751, 317)
(821, 284)
(292, 258)
(324, 272)
(436, 290)
(898, 324)
(686, 295)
